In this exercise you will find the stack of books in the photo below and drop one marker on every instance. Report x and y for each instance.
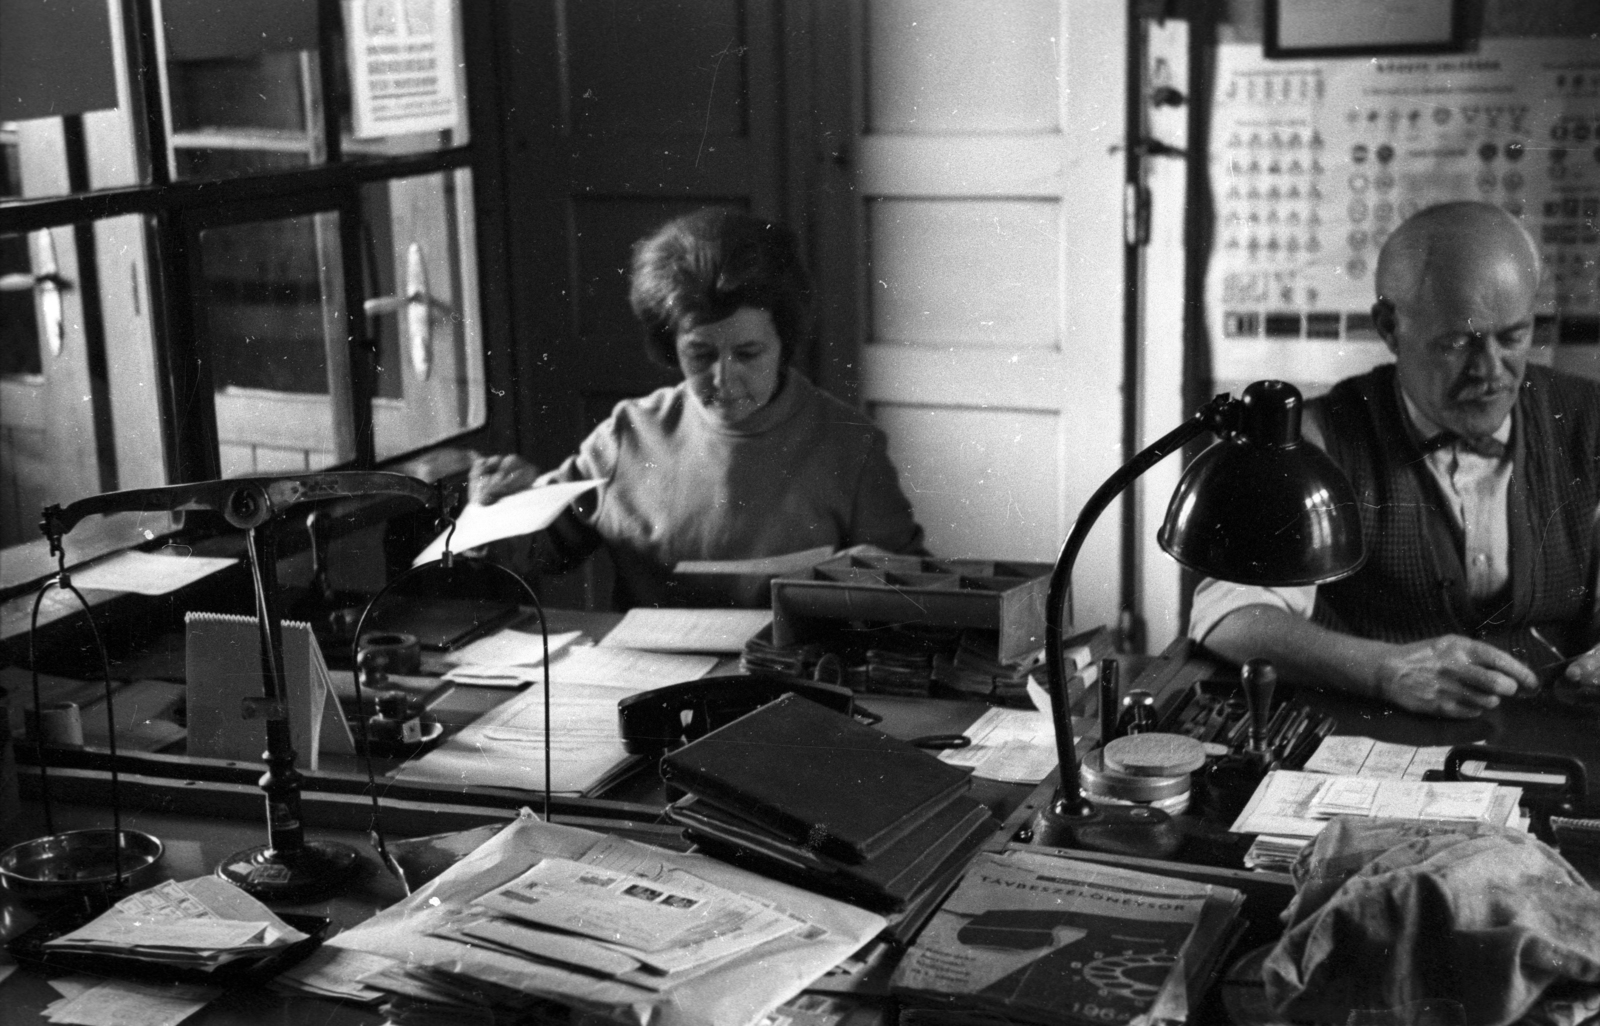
(808, 795)
(1032, 937)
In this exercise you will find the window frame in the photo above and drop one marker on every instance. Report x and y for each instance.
(168, 209)
(173, 210)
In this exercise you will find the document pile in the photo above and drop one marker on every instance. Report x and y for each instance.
(846, 811)
(1029, 937)
(551, 923)
(974, 669)
(1289, 808)
(176, 930)
(761, 655)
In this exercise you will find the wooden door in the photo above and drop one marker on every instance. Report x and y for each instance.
(972, 229)
(623, 114)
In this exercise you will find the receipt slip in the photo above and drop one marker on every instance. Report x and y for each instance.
(1352, 755)
(670, 921)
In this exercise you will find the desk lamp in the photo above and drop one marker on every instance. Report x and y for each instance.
(289, 867)
(1258, 507)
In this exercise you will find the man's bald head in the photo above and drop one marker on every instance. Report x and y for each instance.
(1451, 243)
(1456, 290)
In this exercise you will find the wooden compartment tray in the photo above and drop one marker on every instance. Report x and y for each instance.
(1006, 597)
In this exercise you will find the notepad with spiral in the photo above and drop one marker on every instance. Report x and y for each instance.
(222, 664)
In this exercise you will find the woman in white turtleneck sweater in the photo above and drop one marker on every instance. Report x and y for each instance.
(743, 458)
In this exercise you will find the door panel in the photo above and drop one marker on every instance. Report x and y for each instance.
(984, 197)
(964, 273)
(959, 466)
(659, 109)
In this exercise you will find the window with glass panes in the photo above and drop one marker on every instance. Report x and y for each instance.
(235, 239)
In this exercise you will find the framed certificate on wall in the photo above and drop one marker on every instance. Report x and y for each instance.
(1350, 28)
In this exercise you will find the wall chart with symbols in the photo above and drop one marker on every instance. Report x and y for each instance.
(1314, 162)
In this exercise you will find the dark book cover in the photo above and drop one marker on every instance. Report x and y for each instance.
(816, 778)
(886, 882)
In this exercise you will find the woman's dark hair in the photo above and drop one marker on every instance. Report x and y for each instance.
(702, 267)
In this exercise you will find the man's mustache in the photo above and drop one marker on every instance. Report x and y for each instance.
(1474, 390)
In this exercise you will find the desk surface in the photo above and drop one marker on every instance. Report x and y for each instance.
(212, 809)
(1537, 723)
(195, 843)
(193, 847)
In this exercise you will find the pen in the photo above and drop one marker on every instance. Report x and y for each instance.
(1308, 745)
(1293, 733)
(1275, 725)
(1237, 730)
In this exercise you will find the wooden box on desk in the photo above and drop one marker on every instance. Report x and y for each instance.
(1005, 597)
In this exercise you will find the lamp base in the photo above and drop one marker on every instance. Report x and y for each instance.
(1136, 830)
(319, 868)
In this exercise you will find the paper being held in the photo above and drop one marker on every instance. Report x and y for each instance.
(519, 513)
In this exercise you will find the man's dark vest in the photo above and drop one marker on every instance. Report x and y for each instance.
(1413, 585)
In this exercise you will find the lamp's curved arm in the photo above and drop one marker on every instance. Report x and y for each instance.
(246, 502)
(1216, 415)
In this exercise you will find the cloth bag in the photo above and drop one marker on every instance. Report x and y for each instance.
(1396, 914)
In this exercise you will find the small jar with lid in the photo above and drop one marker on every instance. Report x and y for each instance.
(1151, 769)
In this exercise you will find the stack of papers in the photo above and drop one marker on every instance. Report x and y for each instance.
(719, 631)
(1017, 746)
(1290, 807)
(201, 924)
(334, 973)
(1365, 757)
(545, 917)
(505, 747)
(506, 658)
(651, 931)
(86, 1001)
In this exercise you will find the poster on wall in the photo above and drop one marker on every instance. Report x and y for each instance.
(402, 66)
(1314, 162)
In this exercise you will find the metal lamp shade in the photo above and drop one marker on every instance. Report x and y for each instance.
(1261, 506)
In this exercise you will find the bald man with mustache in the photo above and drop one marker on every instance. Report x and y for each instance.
(1478, 475)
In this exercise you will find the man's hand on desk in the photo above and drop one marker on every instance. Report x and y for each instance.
(1454, 676)
(1585, 669)
(494, 477)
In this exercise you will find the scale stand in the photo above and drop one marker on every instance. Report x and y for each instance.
(288, 867)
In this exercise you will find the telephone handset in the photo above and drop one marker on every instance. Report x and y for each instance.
(653, 722)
